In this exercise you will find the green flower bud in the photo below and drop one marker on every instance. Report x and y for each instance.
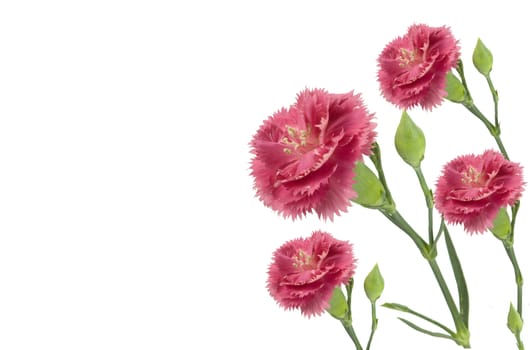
(409, 141)
(454, 88)
(501, 225)
(338, 307)
(515, 323)
(374, 284)
(370, 191)
(482, 58)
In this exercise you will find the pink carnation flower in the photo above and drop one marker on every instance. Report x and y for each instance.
(413, 68)
(473, 188)
(304, 272)
(304, 156)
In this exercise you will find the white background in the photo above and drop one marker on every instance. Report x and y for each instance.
(127, 214)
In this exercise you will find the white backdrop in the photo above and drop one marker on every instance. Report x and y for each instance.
(127, 214)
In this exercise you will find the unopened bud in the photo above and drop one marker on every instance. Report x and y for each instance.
(482, 58)
(409, 141)
(374, 284)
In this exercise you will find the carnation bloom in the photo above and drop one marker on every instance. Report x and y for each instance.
(413, 68)
(304, 272)
(472, 189)
(304, 156)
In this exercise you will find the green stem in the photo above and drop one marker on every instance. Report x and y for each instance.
(508, 244)
(474, 109)
(428, 200)
(461, 329)
(520, 344)
(494, 131)
(518, 276)
(400, 222)
(459, 324)
(347, 321)
(515, 210)
(376, 160)
(495, 97)
(440, 231)
(374, 326)
(460, 70)
(462, 336)
(349, 329)
(349, 289)
(392, 214)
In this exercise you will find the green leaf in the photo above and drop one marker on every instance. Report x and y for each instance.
(463, 294)
(338, 307)
(370, 191)
(502, 226)
(374, 284)
(456, 92)
(403, 308)
(423, 330)
(397, 307)
(515, 322)
(409, 141)
(482, 58)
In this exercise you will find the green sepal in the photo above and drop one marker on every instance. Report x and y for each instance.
(502, 227)
(409, 141)
(456, 92)
(482, 58)
(370, 191)
(338, 306)
(515, 322)
(374, 284)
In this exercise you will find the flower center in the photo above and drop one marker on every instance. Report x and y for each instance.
(303, 261)
(296, 140)
(472, 177)
(407, 57)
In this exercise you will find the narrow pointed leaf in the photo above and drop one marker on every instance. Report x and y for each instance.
(397, 307)
(463, 295)
(406, 309)
(423, 330)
